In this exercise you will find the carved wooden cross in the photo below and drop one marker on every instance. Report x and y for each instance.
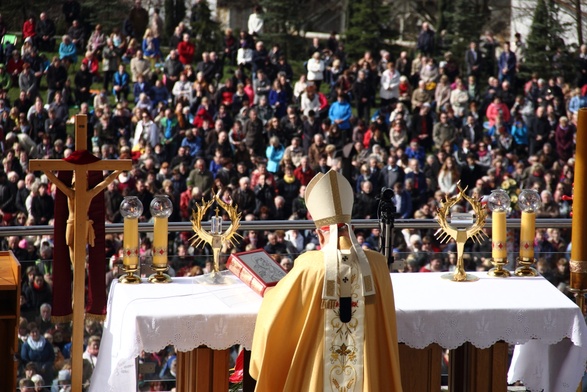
(79, 198)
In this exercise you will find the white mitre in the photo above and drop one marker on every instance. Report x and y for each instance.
(329, 199)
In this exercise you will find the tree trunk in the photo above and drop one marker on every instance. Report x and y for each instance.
(579, 22)
(440, 18)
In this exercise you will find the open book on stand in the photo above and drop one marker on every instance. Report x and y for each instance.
(256, 269)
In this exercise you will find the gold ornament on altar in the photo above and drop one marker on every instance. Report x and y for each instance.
(466, 227)
(215, 238)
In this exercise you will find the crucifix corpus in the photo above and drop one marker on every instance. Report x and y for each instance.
(79, 230)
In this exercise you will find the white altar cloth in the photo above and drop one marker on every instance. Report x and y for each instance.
(150, 317)
(526, 311)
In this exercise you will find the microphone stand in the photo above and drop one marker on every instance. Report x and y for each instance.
(386, 212)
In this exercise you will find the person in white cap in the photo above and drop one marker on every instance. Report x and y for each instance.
(329, 324)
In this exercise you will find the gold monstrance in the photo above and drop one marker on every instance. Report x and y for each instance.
(215, 238)
(472, 230)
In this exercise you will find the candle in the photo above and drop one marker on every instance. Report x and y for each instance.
(131, 209)
(498, 202)
(161, 208)
(527, 233)
(498, 235)
(578, 262)
(529, 202)
(160, 241)
(131, 242)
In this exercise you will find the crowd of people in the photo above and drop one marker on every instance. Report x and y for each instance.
(239, 123)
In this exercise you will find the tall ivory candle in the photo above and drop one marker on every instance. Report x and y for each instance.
(578, 262)
(498, 235)
(527, 234)
(131, 242)
(160, 241)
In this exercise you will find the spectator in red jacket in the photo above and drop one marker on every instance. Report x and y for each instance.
(28, 28)
(497, 109)
(203, 119)
(14, 66)
(186, 50)
(324, 104)
(304, 172)
(93, 64)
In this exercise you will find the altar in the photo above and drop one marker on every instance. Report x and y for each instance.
(548, 328)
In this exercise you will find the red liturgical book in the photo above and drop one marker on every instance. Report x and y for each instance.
(256, 269)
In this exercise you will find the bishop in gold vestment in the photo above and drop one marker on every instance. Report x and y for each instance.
(329, 325)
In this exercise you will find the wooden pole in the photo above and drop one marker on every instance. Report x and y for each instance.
(81, 132)
(79, 282)
(79, 262)
(579, 18)
(578, 262)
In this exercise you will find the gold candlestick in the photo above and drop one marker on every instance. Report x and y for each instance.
(529, 201)
(131, 209)
(161, 208)
(498, 202)
(215, 238)
(470, 229)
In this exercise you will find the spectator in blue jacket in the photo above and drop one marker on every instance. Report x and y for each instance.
(67, 51)
(38, 350)
(340, 113)
(150, 45)
(141, 86)
(519, 132)
(507, 64)
(195, 141)
(402, 201)
(415, 151)
(120, 84)
(577, 101)
(274, 153)
(278, 99)
(159, 93)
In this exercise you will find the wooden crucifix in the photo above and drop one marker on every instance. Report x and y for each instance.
(78, 226)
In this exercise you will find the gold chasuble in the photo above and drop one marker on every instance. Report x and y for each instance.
(288, 345)
(329, 324)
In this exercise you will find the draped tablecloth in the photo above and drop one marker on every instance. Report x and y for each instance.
(529, 312)
(187, 315)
